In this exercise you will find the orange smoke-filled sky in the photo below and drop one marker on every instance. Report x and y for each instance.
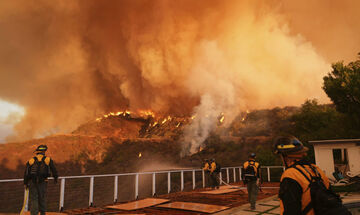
(67, 62)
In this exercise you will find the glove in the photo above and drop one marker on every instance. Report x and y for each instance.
(55, 180)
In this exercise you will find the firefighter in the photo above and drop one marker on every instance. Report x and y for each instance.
(37, 171)
(294, 193)
(251, 178)
(214, 174)
(206, 169)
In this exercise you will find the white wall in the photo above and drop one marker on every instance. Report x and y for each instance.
(354, 159)
(324, 160)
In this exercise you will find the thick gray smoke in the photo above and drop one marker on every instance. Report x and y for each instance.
(69, 62)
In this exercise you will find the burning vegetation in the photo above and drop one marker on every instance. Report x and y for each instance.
(139, 124)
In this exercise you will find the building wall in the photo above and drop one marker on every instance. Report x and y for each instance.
(325, 160)
(354, 159)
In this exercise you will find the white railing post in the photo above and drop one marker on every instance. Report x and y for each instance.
(116, 180)
(62, 194)
(203, 178)
(26, 196)
(182, 180)
(220, 175)
(153, 184)
(91, 193)
(240, 176)
(227, 175)
(234, 172)
(193, 179)
(268, 173)
(137, 186)
(169, 182)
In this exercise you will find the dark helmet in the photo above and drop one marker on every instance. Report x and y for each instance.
(212, 159)
(252, 155)
(206, 160)
(41, 148)
(288, 145)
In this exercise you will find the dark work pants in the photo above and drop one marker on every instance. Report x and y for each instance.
(214, 178)
(207, 178)
(252, 189)
(37, 194)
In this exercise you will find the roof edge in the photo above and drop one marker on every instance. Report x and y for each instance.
(357, 141)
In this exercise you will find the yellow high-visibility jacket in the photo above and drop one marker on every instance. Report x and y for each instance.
(206, 167)
(294, 174)
(212, 167)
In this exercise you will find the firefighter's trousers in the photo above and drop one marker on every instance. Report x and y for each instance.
(253, 189)
(37, 200)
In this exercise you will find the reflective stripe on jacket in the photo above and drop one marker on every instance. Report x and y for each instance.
(294, 174)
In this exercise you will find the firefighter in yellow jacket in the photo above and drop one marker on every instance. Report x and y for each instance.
(251, 177)
(294, 193)
(37, 171)
(214, 174)
(206, 168)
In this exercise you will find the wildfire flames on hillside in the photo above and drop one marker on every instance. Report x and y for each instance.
(151, 124)
(148, 124)
(197, 62)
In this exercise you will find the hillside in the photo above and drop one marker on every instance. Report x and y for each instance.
(132, 141)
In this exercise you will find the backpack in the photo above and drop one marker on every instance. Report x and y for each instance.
(323, 200)
(250, 171)
(39, 170)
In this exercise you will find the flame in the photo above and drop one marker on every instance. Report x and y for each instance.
(163, 121)
(146, 113)
(193, 117)
(155, 123)
(140, 154)
(243, 119)
(222, 118)
(178, 124)
(201, 148)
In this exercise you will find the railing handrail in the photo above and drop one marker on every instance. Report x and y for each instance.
(134, 173)
(153, 173)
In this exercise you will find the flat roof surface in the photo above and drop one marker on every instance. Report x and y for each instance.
(190, 206)
(231, 200)
(144, 203)
(220, 191)
(357, 141)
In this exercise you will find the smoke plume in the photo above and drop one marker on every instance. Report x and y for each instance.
(69, 62)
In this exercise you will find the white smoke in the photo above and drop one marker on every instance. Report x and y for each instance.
(210, 78)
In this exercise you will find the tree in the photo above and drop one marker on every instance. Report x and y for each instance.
(342, 85)
(321, 122)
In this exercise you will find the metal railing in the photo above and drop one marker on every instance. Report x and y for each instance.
(153, 184)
